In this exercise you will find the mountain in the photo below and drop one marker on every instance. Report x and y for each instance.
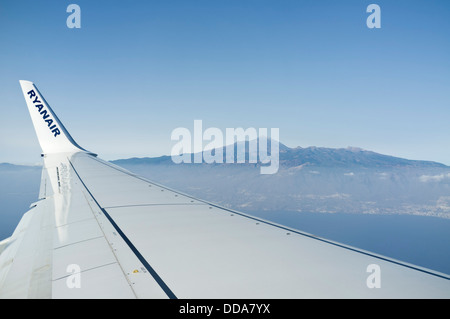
(312, 179)
(347, 157)
(312, 156)
(8, 167)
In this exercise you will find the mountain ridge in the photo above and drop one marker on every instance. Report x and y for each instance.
(312, 156)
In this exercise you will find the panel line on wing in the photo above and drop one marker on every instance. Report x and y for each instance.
(76, 221)
(159, 204)
(81, 241)
(85, 270)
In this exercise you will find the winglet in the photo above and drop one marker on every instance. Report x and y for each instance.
(52, 135)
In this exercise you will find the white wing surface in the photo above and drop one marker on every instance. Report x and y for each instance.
(99, 231)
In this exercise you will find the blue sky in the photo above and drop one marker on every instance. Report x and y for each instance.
(135, 71)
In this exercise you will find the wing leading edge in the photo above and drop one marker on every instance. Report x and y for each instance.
(99, 231)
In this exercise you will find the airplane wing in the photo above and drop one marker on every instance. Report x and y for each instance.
(100, 231)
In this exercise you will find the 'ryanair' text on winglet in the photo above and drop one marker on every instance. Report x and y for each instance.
(51, 133)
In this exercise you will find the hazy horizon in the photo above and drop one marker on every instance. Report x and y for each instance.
(40, 162)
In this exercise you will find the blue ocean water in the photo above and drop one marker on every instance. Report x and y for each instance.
(19, 187)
